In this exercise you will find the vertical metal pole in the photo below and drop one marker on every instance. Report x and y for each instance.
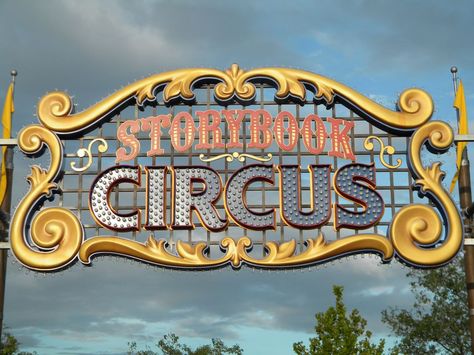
(5, 222)
(465, 199)
(5, 210)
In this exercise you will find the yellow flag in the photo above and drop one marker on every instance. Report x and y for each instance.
(8, 109)
(460, 104)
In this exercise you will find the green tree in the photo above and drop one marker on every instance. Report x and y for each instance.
(340, 333)
(170, 345)
(438, 320)
(10, 346)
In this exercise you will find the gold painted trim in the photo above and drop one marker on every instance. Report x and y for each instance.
(55, 108)
(193, 256)
(416, 230)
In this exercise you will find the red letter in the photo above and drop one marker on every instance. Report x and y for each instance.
(279, 131)
(154, 124)
(128, 140)
(234, 124)
(206, 128)
(260, 133)
(341, 138)
(176, 130)
(307, 133)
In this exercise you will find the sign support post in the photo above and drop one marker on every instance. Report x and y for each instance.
(5, 210)
(465, 199)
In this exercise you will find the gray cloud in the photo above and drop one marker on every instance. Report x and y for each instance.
(122, 298)
(92, 48)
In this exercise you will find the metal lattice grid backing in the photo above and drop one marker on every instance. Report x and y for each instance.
(393, 185)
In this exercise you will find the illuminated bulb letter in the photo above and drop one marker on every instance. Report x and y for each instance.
(260, 132)
(290, 193)
(188, 130)
(320, 134)
(279, 130)
(128, 140)
(234, 120)
(154, 124)
(156, 197)
(188, 198)
(99, 204)
(206, 128)
(356, 183)
(236, 201)
(341, 139)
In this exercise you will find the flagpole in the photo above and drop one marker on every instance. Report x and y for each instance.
(5, 209)
(465, 199)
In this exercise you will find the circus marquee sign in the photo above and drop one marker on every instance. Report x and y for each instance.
(201, 168)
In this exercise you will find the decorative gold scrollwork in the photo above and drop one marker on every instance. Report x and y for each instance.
(235, 155)
(55, 231)
(56, 235)
(416, 229)
(55, 109)
(369, 145)
(82, 152)
(278, 255)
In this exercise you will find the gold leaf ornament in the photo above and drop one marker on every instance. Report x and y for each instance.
(39, 179)
(235, 85)
(236, 251)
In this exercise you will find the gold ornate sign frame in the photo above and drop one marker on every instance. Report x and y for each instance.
(421, 235)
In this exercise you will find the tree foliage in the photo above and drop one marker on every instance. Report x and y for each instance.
(170, 345)
(340, 333)
(438, 320)
(11, 346)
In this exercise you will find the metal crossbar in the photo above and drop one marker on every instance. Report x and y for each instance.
(464, 138)
(8, 141)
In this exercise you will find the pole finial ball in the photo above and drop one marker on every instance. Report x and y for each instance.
(14, 72)
(454, 69)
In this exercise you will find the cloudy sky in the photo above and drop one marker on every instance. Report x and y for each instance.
(91, 48)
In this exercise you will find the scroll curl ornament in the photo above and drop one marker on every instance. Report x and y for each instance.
(390, 150)
(417, 228)
(82, 152)
(55, 231)
(236, 252)
(235, 155)
(55, 108)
